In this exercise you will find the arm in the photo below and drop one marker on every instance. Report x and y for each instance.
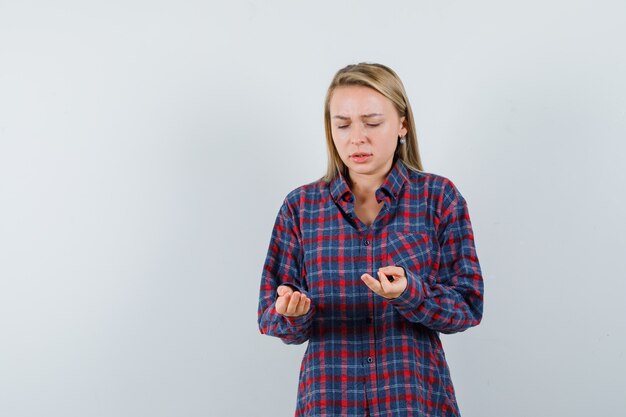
(453, 301)
(283, 268)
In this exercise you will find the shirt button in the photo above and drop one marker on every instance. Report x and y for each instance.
(367, 242)
(369, 359)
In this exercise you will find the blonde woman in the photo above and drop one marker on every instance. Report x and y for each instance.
(371, 262)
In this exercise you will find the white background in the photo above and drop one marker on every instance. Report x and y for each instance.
(146, 146)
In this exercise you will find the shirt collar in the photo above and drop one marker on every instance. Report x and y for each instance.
(391, 187)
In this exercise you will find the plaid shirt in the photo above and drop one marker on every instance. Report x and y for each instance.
(365, 353)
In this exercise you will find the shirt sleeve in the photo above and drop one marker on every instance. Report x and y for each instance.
(283, 266)
(452, 301)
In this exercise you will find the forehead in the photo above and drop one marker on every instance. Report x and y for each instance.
(358, 99)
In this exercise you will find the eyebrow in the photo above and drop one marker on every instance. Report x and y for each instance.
(363, 116)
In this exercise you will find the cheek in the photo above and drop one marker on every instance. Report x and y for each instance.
(387, 139)
(337, 142)
(339, 137)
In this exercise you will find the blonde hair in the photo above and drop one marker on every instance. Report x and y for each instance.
(384, 80)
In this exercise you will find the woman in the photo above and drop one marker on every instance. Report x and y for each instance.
(371, 262)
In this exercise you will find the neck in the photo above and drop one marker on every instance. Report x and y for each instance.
(365, 185)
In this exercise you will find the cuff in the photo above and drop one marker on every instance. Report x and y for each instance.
(300, 321)
(413, 294)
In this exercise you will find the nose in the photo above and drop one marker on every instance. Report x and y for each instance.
(357, 134)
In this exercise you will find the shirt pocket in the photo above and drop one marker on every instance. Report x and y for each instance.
(413, 251)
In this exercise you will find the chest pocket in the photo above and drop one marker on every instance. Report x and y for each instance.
(413, 251)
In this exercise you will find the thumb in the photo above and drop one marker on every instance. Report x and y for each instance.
(284, 290)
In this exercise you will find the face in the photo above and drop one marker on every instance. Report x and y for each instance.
(365, 127)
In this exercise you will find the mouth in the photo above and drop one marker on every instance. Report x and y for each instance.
(360, 157)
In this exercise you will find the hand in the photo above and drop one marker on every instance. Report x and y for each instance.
(383, 286)
(291, 303)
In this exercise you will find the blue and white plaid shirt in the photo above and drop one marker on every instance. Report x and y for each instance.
(365, 353)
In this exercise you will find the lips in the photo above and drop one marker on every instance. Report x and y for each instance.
(360, 158)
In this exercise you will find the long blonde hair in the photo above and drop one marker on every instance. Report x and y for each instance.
(384, 80)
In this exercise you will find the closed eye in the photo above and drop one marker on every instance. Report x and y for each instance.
(367, 124)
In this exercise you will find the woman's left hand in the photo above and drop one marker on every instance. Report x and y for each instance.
(383, 286)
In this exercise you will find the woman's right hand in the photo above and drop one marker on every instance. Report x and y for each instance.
(291, 303)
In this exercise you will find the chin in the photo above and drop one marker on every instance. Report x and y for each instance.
(363, 169)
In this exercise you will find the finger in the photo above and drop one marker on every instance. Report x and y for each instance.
(303, 305)
(394, 271)
(388, 274)
(384, 282)
(293, 303)
(372, 283)
(282, 302)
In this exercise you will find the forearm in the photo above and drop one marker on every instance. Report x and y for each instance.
(443, 308)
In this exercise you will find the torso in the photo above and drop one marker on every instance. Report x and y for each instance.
(350, 321)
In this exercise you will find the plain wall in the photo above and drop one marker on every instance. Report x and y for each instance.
(145, 148)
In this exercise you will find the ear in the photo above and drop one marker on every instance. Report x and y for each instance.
(403, 128)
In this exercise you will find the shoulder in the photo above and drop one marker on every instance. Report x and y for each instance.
(309, 194)
(313, 189)
(435, 185)
(439, 192)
